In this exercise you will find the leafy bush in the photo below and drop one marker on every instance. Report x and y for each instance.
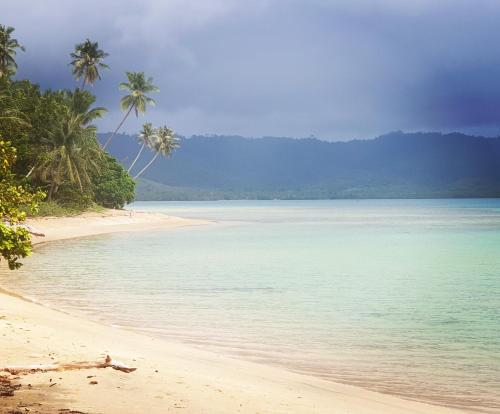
(15, 242)
(114, 187)
(71, 197)
(52, 209)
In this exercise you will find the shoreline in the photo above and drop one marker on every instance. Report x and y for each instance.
(106, 222)
(170, 376)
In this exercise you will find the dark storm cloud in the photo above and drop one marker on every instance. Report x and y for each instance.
(336, 69)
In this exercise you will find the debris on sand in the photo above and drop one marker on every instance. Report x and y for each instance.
(29, 369)
(7, 389)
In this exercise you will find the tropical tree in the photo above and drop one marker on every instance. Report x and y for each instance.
(87, 61)
(8, 50)
(165, 144)
(113, 186)
(138, 86)
(80, 103)
(146, 138)
(72, 153)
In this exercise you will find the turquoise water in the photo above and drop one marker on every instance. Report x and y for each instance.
(402, 297)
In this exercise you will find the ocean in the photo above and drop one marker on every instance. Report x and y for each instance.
(397, 296)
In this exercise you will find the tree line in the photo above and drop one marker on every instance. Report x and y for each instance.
(49, 150)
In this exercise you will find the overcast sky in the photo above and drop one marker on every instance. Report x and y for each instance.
(338, 69)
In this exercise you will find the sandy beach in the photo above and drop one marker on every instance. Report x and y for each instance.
(108, 221)
(170, 377)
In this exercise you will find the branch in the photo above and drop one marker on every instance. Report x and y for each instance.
(31, 230)
(30, 369)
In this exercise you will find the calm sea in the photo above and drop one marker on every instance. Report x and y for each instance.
(398, 296)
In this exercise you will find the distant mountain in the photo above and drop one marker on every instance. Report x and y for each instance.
(419, 165)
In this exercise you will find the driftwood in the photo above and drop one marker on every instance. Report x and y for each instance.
(28, 369)
(31, 230)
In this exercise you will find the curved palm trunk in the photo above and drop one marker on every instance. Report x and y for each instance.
(136, 157)
(30, 171)
(147, 166)
(118, 127)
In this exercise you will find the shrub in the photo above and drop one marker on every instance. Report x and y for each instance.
(114, 187)
(15, 200)
(71, 197)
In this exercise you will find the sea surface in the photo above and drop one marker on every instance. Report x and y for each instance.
(398, 296)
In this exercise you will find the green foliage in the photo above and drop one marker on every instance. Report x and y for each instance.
(12, 195)
(71, 153)
(87, 60)
(72, 198)
(114, 188)
(15, 243)
(14, 201)
(55, 209)
(17, 100)
(54, 144)
(146, 139)
(138, 86)
(8, 50)
(163, 142)
(57, 147)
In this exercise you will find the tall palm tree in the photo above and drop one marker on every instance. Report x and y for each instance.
(147, 137)
(8, 50)
(139, 86)
(165, 144)
(73, 152)
(87, 60)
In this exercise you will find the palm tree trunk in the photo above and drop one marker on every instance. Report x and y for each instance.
(146, 167)
(118, 127)
(83, 83)
(30, 171)
(53, 189)
(136, 157)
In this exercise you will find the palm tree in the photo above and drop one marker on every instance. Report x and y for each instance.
(165, 144)
(73, 152)
(8, 50)
(138, 85)
(147, 137)
(87, 60)
(79, 114)
(80, 102)
(72, 155)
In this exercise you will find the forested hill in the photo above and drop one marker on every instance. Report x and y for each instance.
(393, 165)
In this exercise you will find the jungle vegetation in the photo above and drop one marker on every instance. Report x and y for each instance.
(51, 161)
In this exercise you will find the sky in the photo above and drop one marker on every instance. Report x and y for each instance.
(337, 70)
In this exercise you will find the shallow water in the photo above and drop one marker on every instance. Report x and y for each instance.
(399, 296)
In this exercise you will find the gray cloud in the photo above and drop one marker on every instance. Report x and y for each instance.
(336, 69)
